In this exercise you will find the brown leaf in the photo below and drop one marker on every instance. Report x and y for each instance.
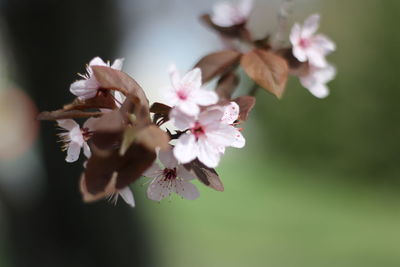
(102, 100)
(160, 108)
(111, 79)
(108, 129)
(246, 104)
(267, 69)
(217, 63)
(296, 67)
(226, 85)
(207, 176)
(152, 137)
(62, 114)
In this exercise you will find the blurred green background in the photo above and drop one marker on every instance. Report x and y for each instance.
(318, 183)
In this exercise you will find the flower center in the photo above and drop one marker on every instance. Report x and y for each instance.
(304, 43)
(169, 174)
(198, 130)
(182, 94)
(86, 133)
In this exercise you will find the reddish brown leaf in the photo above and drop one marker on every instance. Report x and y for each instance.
(267, 69)
(108, 130)
(111, 79)
(152, 137)
(102, 100)
(226, 85)
(217, 63)
(62, 114)
(206, 175)
(160, 108)
(246, 104)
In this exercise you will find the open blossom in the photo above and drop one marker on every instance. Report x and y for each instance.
(87, 87)
(310, 46)
(227, 14)
(206, 135)
(75, 138)
(187, 94)
(171, 178)
(316, 79)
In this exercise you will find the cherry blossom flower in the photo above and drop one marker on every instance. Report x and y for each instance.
(88, 87)
(75, 138)
(186, 93)
(205, 137)
(316, 79)
(172, 178)
(227, 14)
(310, 46)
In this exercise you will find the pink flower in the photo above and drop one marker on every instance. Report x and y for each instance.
(172, 178)
(227, 14)
(186, 93)
(231, 114)
(126, 194)
(75, 138)
(317, 78)
(206, 135)
(310, 46)
(87, 87)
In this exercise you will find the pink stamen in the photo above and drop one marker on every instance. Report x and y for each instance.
(182, 94)
(198, 130)
(304, 43)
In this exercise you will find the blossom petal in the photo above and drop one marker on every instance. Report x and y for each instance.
(310, 25)
(231, 113)
(174, 75)
(158, 189)
(86, 150)
(245, 7)
(325, 44)
(118, 63)
(84, 89)
(185, 149)
(97, 61)
(225, 135)
(188, 107)
(153, 172)
(181, 120)
(299, 53)
(211, 117)
(223, 14)
(239, 142)
(186, 190)
(67, 124)
(73, 152)
(127, 196)
(319, 90)
(167, 159)
(204, 97)
(208, 153)
(192, 79)
(295, 35)
(316, 58)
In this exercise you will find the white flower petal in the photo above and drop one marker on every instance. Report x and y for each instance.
(192, 79)
(86, 150)
(84, 89)
(319, 90)
(231, 113)
(153, 172)
(97, 61)
(299, 53)
(185, 149)
(224, 136)
(167, 158)
(127, 196)
(324, 44)
(188, 107)
(118, 63)
(239, 142)
(245, 7)
(224, 14)
(211, 118)
(73, 152)
(310, 25)
(205, 98)
(186, 190)
(174, 75)
(158, 189)
(67, 124)
(181, 120)
(295, 35)
(208, 153)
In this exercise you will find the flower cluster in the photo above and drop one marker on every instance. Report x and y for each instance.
(124, 138)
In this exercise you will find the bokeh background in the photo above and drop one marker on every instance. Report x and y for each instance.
(316, 185)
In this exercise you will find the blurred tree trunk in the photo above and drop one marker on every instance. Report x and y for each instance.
(50, 42)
